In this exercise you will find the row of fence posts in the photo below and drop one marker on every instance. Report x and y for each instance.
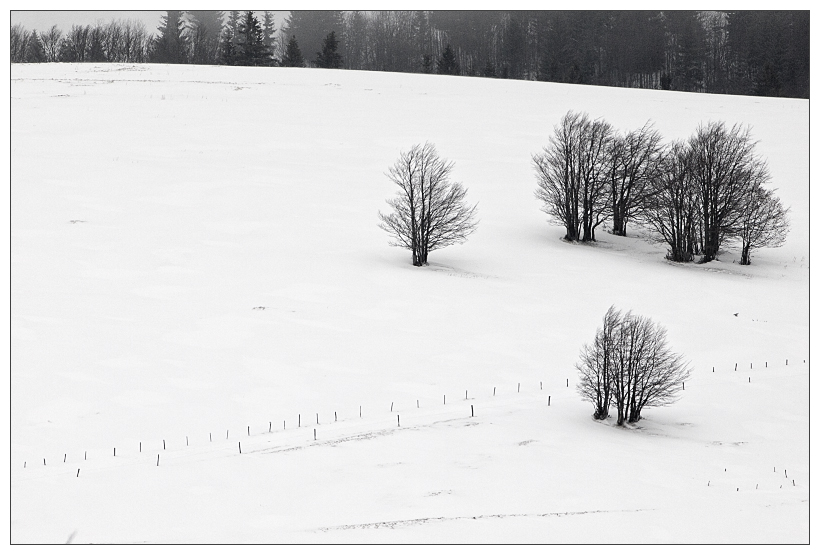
(335, 417)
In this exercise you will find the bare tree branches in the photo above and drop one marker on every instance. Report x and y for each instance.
(725, 169)
(672, 208)
(763, 223)
(597, 365)
(632, 166)
(572, 175)
(630, 365)
(429, 211)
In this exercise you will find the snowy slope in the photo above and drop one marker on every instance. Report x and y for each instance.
(199, 195)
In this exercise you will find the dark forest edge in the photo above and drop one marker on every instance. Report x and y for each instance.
(763, 53)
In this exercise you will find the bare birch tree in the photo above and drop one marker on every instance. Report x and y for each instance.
(429, 211)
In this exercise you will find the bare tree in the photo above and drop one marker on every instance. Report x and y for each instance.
(572, 175)
(51, 43)
(633, 164)
(113, 41)
(631, 366)
(74, 44)
(672, 209)
(656, 373)
(764, 223)
(97, 37)
(429, 212)
(597, 366)
(725, 168)
(18, 43)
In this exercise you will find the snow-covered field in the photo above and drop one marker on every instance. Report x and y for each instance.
(195, 254)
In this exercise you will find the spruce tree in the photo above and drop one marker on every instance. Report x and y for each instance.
(312, 28)
(269, 33)
(329, 58)
(169, 46)
(447, 64)
(233, 23)
(204, 35)
(251, 50)
(96, 52)
(427, 64)
(35, 53)
(227, 53)
(293, 56)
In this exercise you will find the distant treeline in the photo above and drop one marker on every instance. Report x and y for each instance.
(762, 53)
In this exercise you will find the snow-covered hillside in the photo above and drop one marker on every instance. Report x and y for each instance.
(195, 254)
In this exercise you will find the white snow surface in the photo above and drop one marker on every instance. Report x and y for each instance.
(195, 251)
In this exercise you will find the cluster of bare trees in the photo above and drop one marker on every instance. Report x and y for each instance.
(630, 366)
(429, 211)
(695, 195)
(116, 41)
(195, 36)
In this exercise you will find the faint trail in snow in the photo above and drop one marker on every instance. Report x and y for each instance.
(457, 272)
(417, 521)
(354, 437)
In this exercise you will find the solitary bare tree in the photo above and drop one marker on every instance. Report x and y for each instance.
(429, 211)
(764, 223)
(630, 365)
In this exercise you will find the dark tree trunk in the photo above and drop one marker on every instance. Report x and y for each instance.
(745, 259)
(618, 220)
